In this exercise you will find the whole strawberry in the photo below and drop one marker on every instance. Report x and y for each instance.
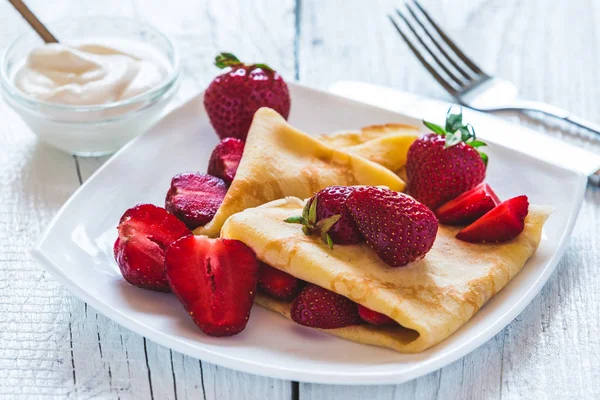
(326, 214)
(233, 97)
(442, 165)
(400, 229)
(278, 284)
(321, 308)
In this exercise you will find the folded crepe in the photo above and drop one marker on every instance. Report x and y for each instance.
(386, 144)
(430, 298)
(281, 161)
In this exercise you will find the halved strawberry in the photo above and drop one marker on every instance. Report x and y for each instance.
(278, 284)
(501, 224)
(194, 198)
(321, 308)
(373, 317)
(469, 206)
(225, 159)
(145, 231)
(215, 280)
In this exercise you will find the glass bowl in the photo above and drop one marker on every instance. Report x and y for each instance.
(97, 129)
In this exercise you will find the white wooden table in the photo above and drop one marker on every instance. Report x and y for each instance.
(53, 345)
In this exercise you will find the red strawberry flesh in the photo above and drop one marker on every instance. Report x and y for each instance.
(332, 201)
(225, 159)
(215, 280)
(145, 231)
(400, 229)
(233, 97)
(317, 307)
(373, 317)
(469, 206)
(278, 284)
(505, 222)
(195, 197)
(437, 174)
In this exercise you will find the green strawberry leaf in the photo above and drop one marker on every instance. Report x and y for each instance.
(295, 220)
(264, 67)
(305, 210)
(329, 241)
(312, 211)
(325, 225)
(224, 60)
(453, 121)
(452, 139)
(477, 143)
(485, 158)
(435, 128)
(307, 231)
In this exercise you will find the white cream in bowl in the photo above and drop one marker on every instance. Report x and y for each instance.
(91, 73)
(91, 95)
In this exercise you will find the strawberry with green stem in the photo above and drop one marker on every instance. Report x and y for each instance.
(326, 214)
(446, 163)
(233, 97)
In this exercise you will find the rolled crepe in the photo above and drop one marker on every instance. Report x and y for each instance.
(430, 298)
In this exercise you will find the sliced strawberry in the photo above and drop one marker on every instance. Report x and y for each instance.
(194, 198)
(215, 280)
(225, 159)
(469, 206)
(320, 308)
(145, 231)
(373, 317)
(278, 284)
(501, 224)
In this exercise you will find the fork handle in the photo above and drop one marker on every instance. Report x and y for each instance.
(548, 109)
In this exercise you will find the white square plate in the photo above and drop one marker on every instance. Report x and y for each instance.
(77, 250)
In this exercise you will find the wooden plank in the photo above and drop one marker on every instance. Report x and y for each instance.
(199, 29)
(533, 356)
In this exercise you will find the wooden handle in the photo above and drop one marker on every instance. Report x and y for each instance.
(33, 21)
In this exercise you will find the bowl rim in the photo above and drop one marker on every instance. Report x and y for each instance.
(29, 101)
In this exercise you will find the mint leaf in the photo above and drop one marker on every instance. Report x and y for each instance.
(435, 128)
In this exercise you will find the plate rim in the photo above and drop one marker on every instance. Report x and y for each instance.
(329, 377)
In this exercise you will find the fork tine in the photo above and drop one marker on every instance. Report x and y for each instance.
(449, 88)
(437, 44)
(449, 42)
(428, 48)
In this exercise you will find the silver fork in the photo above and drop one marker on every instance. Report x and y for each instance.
(460, 76)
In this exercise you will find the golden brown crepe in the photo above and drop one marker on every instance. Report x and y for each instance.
(386, 144)
(281, 161)
(430, 298)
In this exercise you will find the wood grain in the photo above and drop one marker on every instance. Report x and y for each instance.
(540, 354)
(53, 346)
